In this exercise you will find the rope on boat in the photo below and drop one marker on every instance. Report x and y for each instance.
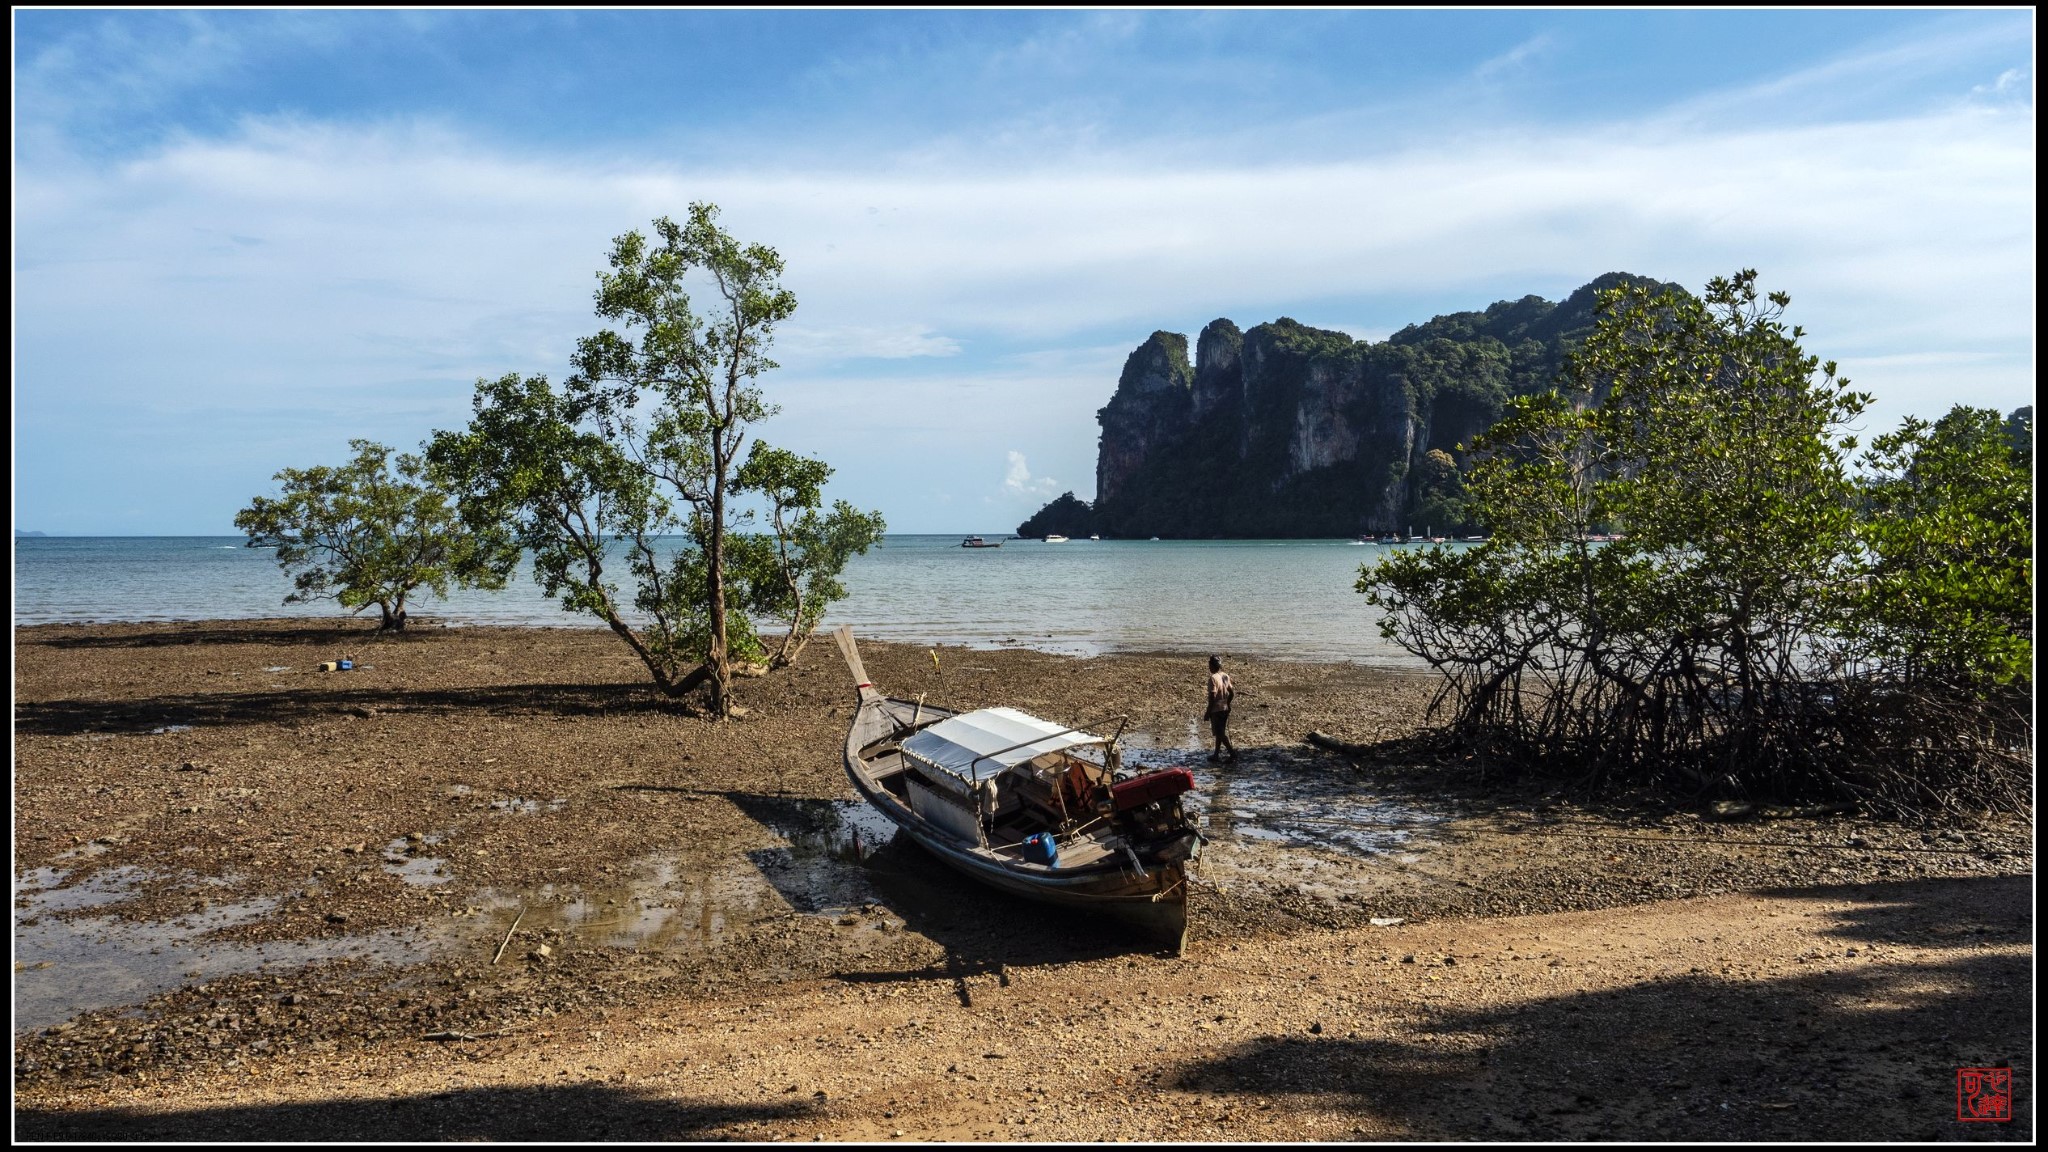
(1179, 885)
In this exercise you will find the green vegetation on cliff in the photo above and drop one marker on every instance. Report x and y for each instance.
(1065, 516)
(1286, 430)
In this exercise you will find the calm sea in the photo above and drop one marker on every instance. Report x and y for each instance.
(1284, 598)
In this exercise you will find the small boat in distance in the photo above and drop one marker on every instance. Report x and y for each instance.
(978, 542)
(1026, 805)
(1095, 537)
(1055, 538)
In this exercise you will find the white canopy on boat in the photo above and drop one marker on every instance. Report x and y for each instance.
(987, 740)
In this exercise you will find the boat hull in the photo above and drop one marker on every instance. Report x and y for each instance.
(1154, 903)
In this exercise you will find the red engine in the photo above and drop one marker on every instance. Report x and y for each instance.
(1152, 786)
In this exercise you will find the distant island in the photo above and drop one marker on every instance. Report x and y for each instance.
(19, 532)
(1290, 431)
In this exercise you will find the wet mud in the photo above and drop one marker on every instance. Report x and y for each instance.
(224, 866)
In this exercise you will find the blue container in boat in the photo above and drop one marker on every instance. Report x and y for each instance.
(1041, 849)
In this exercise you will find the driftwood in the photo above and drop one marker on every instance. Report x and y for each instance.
(508, 935)
(1330, 743)
(459, 1036)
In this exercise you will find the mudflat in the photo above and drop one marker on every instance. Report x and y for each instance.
(485, 885)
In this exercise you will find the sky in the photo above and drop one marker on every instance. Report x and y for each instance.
(242, 238)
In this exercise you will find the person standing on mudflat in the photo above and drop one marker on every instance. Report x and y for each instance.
(1221, 693)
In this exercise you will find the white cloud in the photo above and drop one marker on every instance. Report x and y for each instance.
(1922, 225)
(857, 342)
(1018, 480)
(2011, 84)
(397, 262)
(1849, 85)
(1514, 58)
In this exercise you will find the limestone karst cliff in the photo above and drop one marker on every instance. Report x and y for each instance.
(1284, 430)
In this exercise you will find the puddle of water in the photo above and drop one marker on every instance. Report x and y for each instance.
(403, 858)
(655, 907)
(678, 903)
(36, 891)
(1274, 819)
(65, 965)
(68, 960)
(1280, 799)
(845, 830)
(820, 872)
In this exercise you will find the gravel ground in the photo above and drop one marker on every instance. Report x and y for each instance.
(573, 875)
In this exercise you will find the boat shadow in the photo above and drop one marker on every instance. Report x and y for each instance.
(983, 932)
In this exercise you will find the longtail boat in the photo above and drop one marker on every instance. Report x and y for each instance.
(1034, 808)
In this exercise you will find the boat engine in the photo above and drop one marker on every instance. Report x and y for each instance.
(1150, 804)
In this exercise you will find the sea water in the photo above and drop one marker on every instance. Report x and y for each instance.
(1286, 598)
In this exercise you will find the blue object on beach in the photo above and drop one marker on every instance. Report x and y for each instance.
(344, 665)
(1040, 848)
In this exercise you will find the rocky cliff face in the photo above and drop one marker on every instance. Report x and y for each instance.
(1150, 409)
(1287, 430)
(1218, 380)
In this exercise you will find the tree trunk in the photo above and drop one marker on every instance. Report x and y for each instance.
(791, 647)
(792, 643)
(684, 685)
(716, 656)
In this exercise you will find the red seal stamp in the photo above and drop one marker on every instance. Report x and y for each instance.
(1983, 1093)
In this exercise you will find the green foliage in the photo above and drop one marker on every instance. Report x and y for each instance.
(1440, 499)
(1950, 539)
(792, 574)
(361, 535)
(1727, 638)
(1720, 460)
(640, 452)
(1064, 516)
(539, 462)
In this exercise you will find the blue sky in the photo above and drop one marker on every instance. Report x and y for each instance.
(243, 237)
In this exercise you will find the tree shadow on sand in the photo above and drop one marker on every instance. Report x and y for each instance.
(274, 633)
(210, 709)
(1867, 1051)
(984, 932)
(567, 1112)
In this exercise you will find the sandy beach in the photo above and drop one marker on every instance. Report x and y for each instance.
(523, 899)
